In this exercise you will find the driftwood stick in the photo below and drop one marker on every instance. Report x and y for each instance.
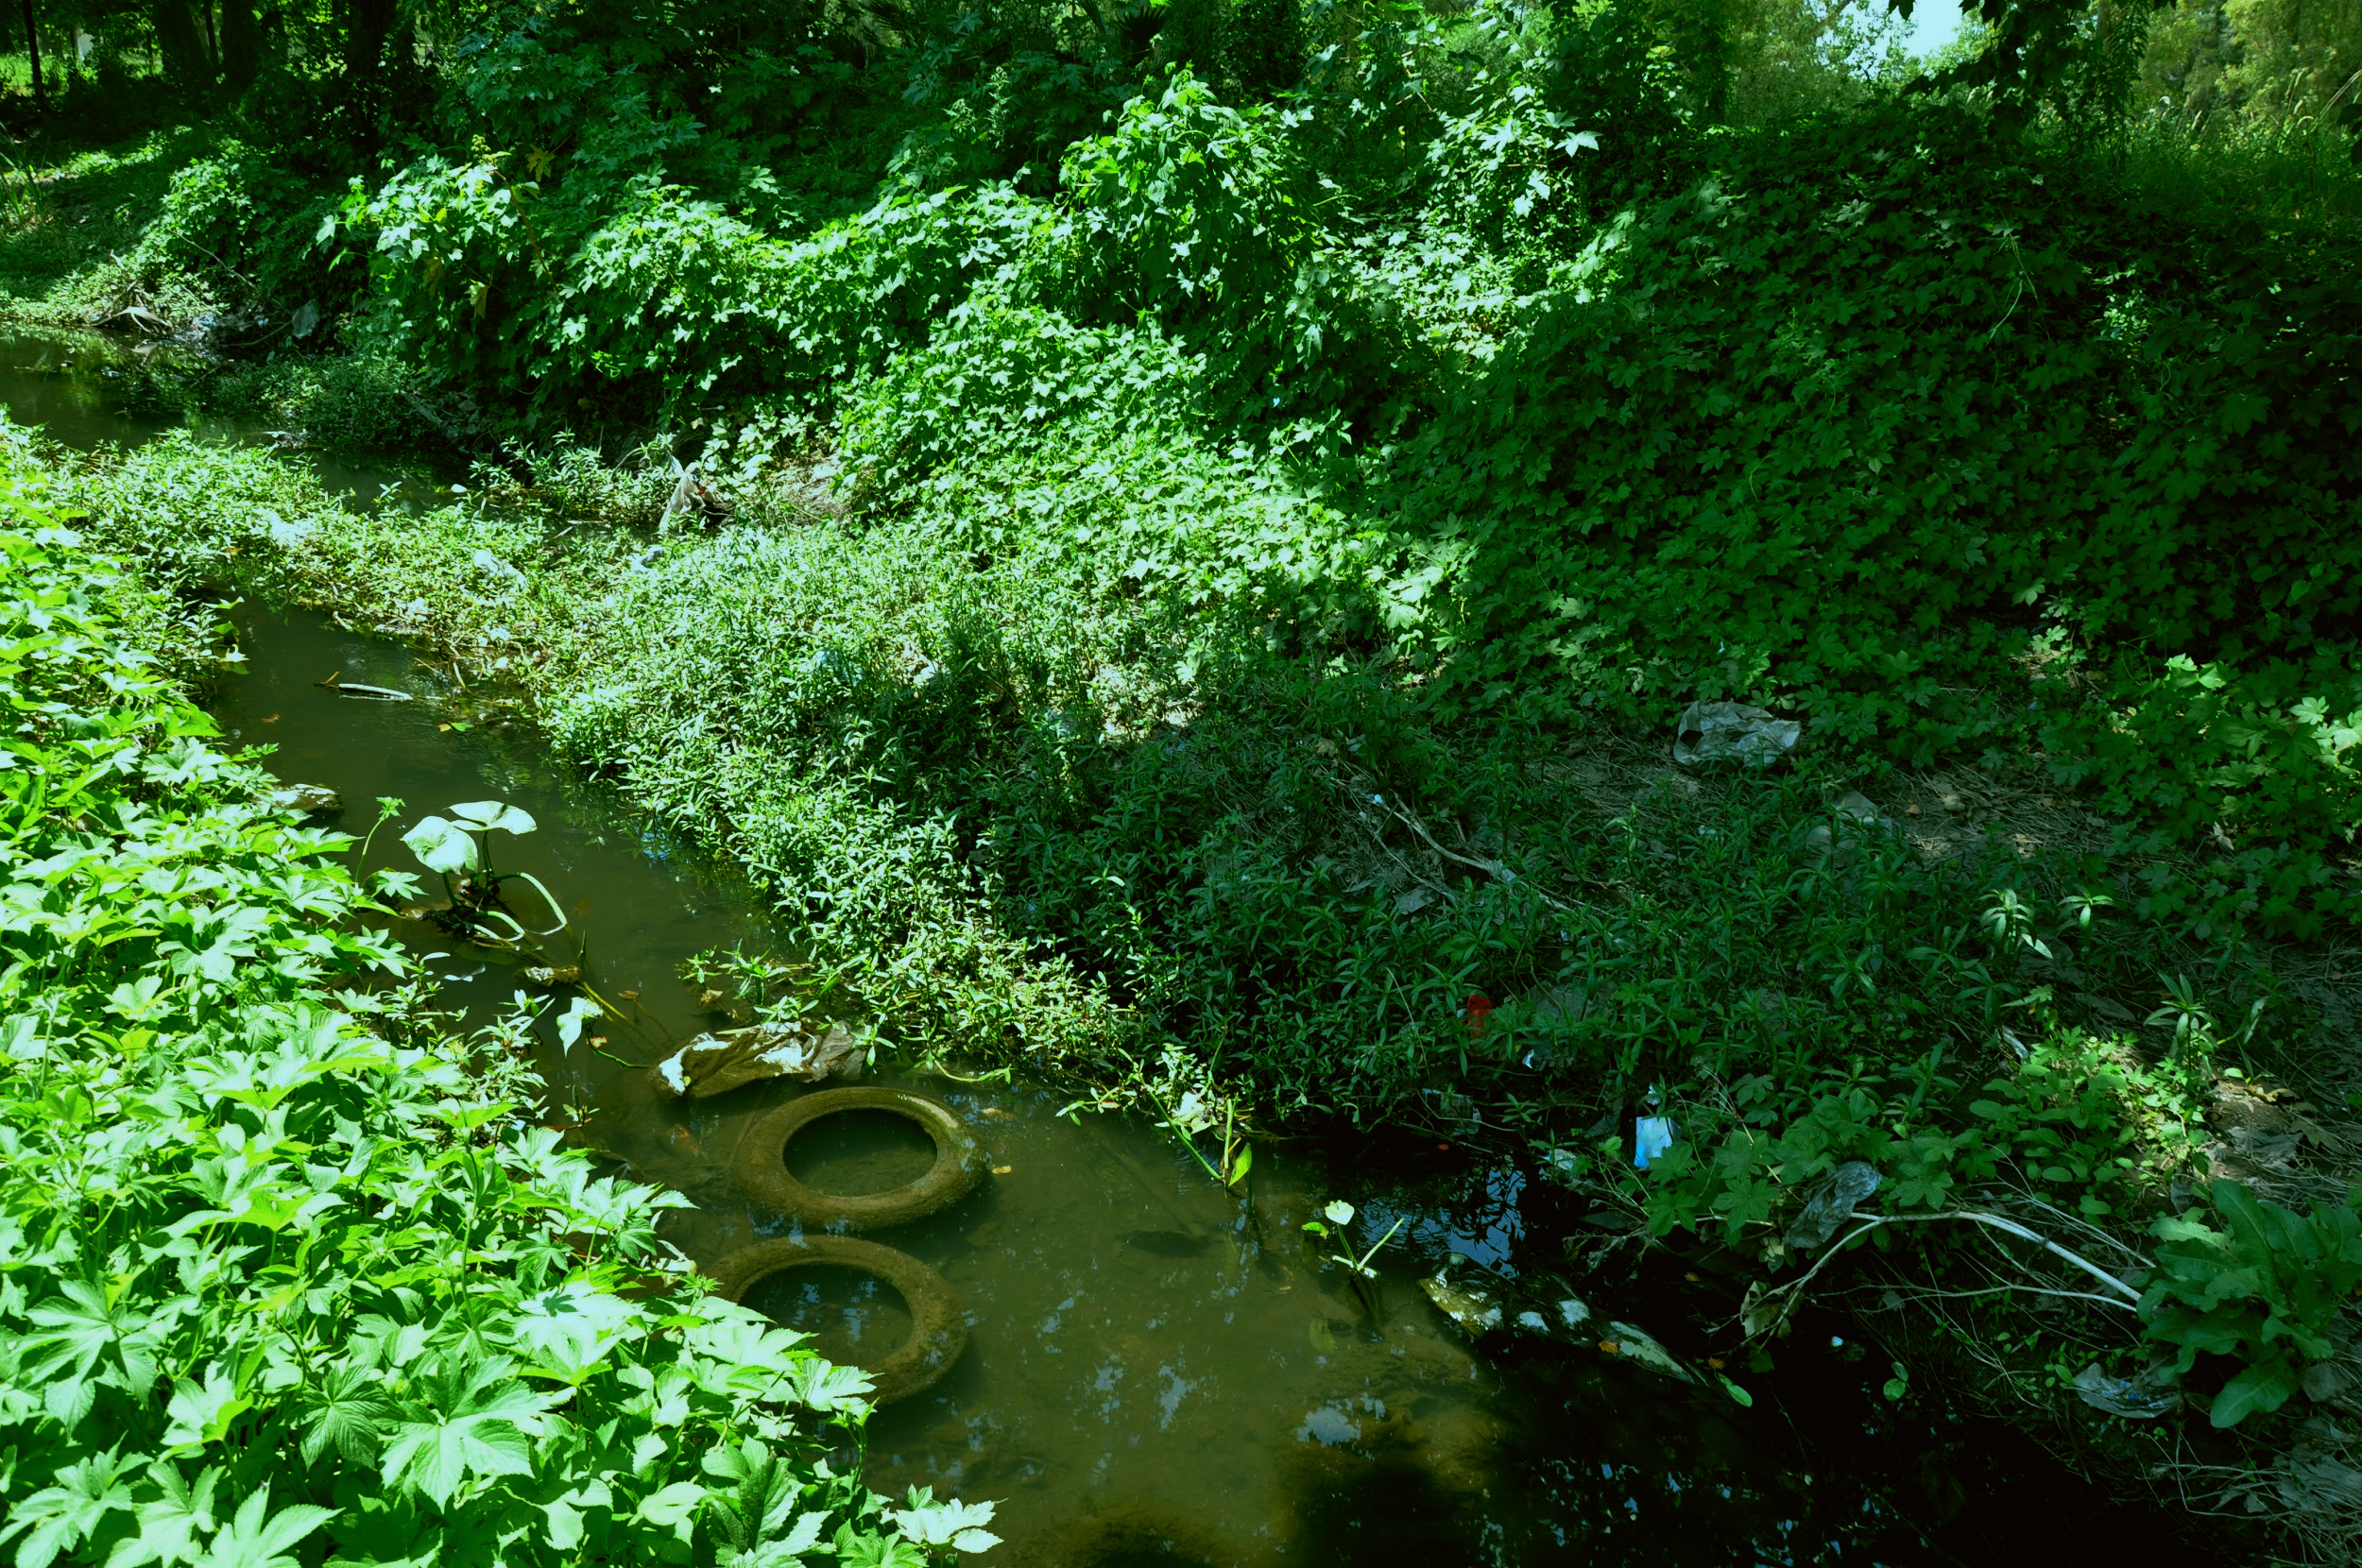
(2122, 1295)
(1491, 868)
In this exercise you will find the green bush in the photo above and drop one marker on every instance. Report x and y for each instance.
(2267, 1290)
(241, 218)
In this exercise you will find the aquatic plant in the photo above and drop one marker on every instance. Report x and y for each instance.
(1339, 1214)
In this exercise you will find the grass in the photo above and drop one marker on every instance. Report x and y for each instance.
(978, 784)
(2300, 177)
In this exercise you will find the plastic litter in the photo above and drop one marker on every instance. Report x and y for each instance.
(1732, 732)
(1853, 803)
(2140, 1398)
(1650, 1136)
(379, 693)
(1832, 1205)
(2313, 1479)
(311, 799)
(493, 566)
(1563, 1166)
(1455, 1113)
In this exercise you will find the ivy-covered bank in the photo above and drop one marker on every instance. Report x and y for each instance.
(1207, 518)
(1800, 979)
(287, 1273)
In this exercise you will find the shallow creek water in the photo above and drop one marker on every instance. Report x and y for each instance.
(1157, 1372)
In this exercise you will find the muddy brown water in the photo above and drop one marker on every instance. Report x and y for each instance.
(1157, 1372)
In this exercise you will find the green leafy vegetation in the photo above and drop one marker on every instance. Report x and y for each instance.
(1177, 539)
(287, 1273)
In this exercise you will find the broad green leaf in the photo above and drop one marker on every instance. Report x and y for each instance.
(2264, 1387)
(170, 1525)
(199, 1416)
(259, 1539)
(673, 1508)
(441, 847)
(474, 1431)
(485, 816)
(65, 1515)
(344, 1411)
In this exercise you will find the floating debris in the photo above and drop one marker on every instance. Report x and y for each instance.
(344, 687)
(716, 1063)
(1160, 1243)
(311, 799)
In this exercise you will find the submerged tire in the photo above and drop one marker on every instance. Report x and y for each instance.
(938, 1328)
(1138, 1538)
(762, 1163)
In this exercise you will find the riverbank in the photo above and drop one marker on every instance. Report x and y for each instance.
(796, 756)
(1223, 603)
(286, 1269)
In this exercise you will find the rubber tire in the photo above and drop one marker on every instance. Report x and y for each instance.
(763, 1173)
(1135, 1534)
(938, 1327)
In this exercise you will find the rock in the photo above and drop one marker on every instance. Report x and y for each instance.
(1718, 732)
(1476, 1311)
(716, 1063)
(1853, 803)
(311, 799)
(1636, 1345)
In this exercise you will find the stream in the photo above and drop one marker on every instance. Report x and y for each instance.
(1157, 1372)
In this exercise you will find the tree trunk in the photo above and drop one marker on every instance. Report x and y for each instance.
(32, 50)
(185, 63)
(365, 38)
(241, 45)
(212, 44)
